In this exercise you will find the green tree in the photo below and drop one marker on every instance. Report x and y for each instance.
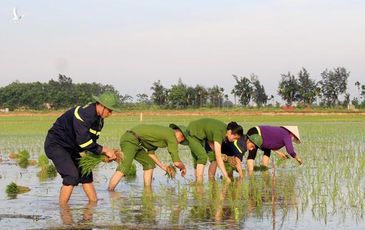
(307, 88)
(333, 84)
(159, 94)
(142, 98)
(191, 97)
(216, 95)
(259, 95)
(177, 95)
(243, 90)
(201, 94)
(288, 88)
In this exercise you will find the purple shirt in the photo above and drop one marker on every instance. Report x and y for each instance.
(275, 137)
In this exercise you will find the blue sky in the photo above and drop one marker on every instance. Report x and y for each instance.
(131, 44)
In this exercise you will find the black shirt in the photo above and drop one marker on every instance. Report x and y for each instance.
(236, 148)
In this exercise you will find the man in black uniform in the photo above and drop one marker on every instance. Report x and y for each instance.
(76, 131)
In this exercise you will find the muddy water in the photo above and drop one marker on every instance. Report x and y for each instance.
(269, 200)
(327, 192)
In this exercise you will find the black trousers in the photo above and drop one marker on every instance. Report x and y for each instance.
(66, 162)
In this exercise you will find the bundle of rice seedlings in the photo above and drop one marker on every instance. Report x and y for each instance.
(48, 170)
(170, 171)
(89, 161)
(14, 189)
(23, 158)
(43, 161)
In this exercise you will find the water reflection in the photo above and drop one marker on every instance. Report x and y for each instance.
(217, 204)
(87, 214)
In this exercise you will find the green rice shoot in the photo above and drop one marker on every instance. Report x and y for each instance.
(174, 169)
(23, 158)
(43, 161)
(89, 161)
(14, 189)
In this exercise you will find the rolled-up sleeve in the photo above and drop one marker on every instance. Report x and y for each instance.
(172, 148)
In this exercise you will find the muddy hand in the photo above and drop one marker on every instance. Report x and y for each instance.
(181, 167)
(183, 171)
(300, 161)
(232, 161)
(170, 171)
(118, 155)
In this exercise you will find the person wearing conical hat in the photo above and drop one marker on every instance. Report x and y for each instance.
(269, 138)
(76, 131)
(141, 142)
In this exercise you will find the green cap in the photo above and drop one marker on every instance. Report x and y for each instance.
(183, 131)
(109, 100)
(256, 139)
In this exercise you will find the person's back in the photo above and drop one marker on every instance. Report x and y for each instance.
(67, 129)
(207, 128)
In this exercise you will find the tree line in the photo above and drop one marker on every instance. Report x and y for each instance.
(300, 89)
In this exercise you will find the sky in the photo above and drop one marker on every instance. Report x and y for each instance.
(132, 43)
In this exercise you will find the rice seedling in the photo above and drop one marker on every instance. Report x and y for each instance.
(43, 161)
(260, 168)
(170, 171)
(47, 169)
(89, 161)
(13, 189)
(23, 158)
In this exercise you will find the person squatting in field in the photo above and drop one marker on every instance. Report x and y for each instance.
(269, 138)
(141, 142)
(213, 132)
(73, 132)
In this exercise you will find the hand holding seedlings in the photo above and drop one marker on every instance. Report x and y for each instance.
(181, 167)
(300, 161)
(170, 171)
(118, 157)
(110, 153)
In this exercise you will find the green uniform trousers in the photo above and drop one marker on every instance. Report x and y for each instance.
(132, 149)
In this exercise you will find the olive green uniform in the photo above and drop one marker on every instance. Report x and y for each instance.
(205, 129)
(144, 139)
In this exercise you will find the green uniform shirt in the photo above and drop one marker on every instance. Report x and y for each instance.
(199, 130)
(156, 136)
(208, 128)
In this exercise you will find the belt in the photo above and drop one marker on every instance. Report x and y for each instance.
(135, 135)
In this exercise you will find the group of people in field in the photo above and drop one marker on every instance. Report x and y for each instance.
(224, 145)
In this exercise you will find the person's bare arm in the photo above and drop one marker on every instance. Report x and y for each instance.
(282, 155)
(218, 157)
(239, 167)
(157, 161)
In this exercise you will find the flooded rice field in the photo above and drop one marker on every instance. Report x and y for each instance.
(326, 192)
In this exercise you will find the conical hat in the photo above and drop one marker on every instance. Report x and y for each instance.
(293, 130)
